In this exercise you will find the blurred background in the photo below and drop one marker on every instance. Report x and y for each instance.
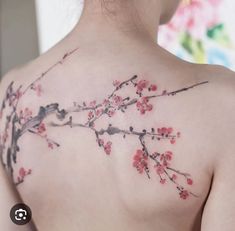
(200, 32)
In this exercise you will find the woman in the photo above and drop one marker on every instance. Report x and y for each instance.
(108, 131)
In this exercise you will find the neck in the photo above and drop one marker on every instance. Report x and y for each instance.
(119, 20)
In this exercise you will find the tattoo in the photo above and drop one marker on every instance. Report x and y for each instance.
(20, 122)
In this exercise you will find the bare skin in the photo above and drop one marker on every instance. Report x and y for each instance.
(80, 184)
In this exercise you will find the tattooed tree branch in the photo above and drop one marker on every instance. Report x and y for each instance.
(19, 123)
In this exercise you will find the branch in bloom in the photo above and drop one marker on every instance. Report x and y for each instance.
(20, 122)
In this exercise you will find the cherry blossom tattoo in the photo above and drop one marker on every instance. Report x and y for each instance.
(19, 122)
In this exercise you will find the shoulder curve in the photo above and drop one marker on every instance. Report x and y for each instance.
(6, 80)
(217, 73)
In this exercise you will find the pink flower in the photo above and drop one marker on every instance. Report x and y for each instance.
(184, 194)
(98, 112)
(108, 148)
(141, 85)
(143, 105)
(25, 115)
(153, 87)
(50, 145)
(164, 159)
(90, 115)
(106, 102)
(140, 161)
(169, 130)
(22, 172)
(163, 181)
(174, 177)
(117, 100)
(168, 155)
(18, 94)
(111, 113)
(159, 169)
(101, 141)
(189, 181)
(93, 103)
(41, 128)
(116, 83)
(37, 89)
(165, 131)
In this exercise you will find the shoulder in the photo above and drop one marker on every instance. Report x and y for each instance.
(220, 91)
(16, 77)
(221, 77)
(222, 81)
(223, 91)
(221, 108)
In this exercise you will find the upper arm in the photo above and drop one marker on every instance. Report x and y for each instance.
(8, 194)
(8, 198)
(219, 211)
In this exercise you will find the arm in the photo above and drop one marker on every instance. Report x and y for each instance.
(8, 194)
(219, 211)
(8, 198)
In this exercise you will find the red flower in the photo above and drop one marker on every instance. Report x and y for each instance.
(165, 131)
(37, 89)
(159, 169)
(168, 155)
(143, 105)
(184, 194)
(98, 112)
(106, 102)
(116, 83)
(189, 181)
(50, 145)
(164, 158)
(141, 85)
(174, 177)
(41, 128)
(153, 87)
(117, 100)
(101, 141)
(169, 130)
(111, 113)
(22, 172)
(25, 115)
(140, 161)
(90, 115)
(93, 103)
(108, 148)
(18, 94)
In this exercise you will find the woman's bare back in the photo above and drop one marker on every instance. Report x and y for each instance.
(112, 141)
